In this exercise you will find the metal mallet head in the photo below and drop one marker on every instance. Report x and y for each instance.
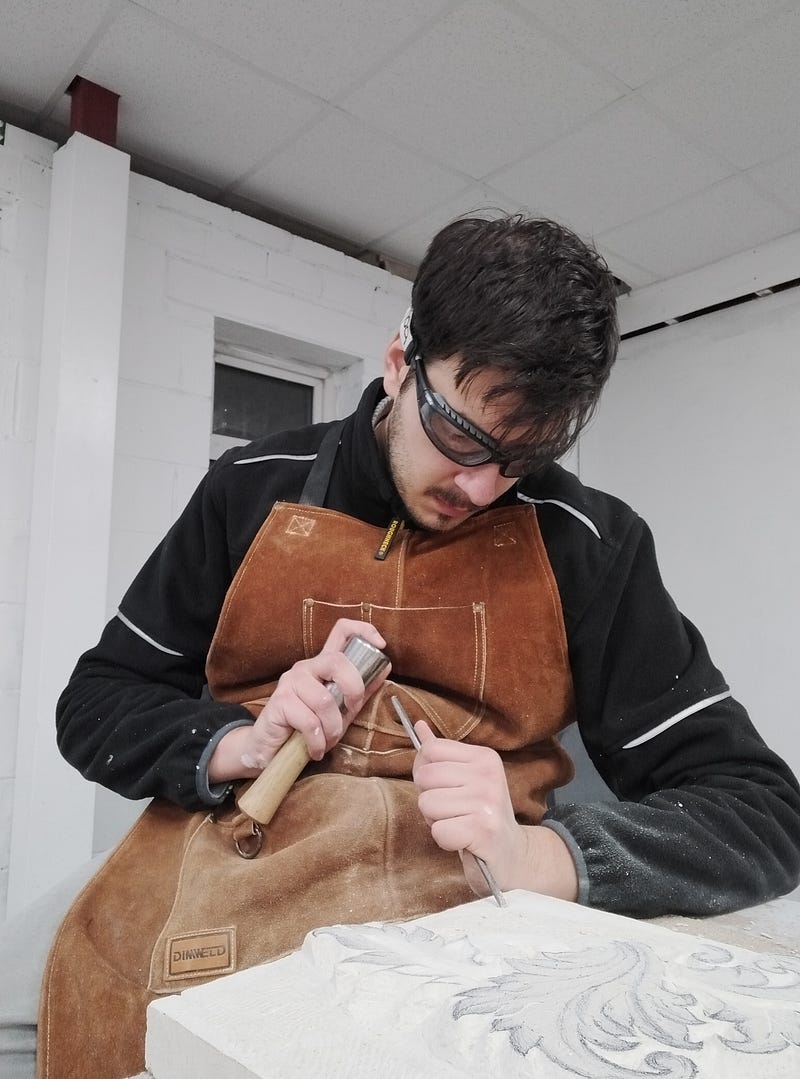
(368, 660)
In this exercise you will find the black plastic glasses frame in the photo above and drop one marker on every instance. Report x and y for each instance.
(478, 449)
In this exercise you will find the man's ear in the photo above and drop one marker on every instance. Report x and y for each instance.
(395, 368)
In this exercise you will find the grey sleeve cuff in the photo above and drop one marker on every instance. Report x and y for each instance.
(577, 857)
(208, 794)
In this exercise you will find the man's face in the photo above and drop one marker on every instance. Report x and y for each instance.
(438, 493)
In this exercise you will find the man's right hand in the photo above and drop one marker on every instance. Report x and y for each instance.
(300, 702)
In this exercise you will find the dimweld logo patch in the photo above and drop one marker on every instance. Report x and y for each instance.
(210, 952)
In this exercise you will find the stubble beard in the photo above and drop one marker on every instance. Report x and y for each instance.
(400, 466)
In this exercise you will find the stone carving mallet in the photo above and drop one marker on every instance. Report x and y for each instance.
(261, 799)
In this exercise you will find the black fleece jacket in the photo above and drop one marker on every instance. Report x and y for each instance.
(708, 818)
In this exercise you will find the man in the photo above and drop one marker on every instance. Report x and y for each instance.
(511, 600)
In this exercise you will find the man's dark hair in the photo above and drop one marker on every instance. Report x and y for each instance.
(528, 298)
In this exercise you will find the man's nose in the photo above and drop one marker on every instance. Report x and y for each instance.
(481, 483)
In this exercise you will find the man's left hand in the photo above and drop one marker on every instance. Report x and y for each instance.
(465, 800)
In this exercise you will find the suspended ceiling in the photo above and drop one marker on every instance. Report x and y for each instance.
(665, 131)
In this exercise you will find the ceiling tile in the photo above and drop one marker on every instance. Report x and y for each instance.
(638, 40)
(318, 45)
(225, 118)
(345, 178)
(479, 89)
(621, 165)
(410, 241)
(449, 102)
(720, 221)
(742, 100)
(39, 43)
(781, 178)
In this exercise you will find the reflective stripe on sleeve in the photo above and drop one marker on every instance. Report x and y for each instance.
(654, 733)
(564, 506)
(141, 633)
(277, 457)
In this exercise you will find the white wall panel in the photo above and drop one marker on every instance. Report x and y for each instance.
(698, 431)
(65, 599)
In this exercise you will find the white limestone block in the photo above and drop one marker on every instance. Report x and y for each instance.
(541, 988)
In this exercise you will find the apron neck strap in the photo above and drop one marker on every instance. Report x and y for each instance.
(316, 486)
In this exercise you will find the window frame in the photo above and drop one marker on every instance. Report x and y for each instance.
(277, 367)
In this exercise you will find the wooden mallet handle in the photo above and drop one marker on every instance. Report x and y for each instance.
(262, 798)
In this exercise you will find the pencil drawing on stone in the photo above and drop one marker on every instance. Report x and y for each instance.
(600, 1008)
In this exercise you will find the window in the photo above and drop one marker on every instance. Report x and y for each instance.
(256, 396)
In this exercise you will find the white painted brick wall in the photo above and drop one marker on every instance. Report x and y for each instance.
(16, 477)
(268, 237)
(289, 274)
(145, 273)
(346, 292)
(25, 173)
(11, 623)
(9, 706)
(240, 257)
(162, 424)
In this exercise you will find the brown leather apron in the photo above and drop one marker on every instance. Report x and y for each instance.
(475, 632)
(472, 619)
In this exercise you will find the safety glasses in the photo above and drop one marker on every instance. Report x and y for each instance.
(457, 438)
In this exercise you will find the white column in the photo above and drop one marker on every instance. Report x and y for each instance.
(71, 513)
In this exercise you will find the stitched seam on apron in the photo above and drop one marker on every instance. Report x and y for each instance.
(469, 724)
(479, 620)
(308, 620)
(431, 713)
(478, 672)
(162, 935)
(401, 567)
(310, 606)
(365, 752)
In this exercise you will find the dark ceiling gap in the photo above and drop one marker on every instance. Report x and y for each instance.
(734, 301)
